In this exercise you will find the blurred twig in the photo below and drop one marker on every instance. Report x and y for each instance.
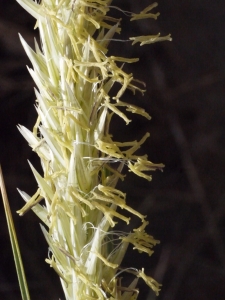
(196, 186)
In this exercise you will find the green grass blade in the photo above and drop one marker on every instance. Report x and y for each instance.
(14, 242)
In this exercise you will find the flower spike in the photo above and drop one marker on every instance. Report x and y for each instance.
(77, 199)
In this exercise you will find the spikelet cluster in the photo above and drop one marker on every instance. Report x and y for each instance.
(75, 104)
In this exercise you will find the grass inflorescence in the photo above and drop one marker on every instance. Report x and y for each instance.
(75, 104)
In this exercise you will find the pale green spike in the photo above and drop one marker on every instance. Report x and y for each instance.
(32, 8)
(49, 59)
(53, 146)
(46, 190)
(29, 136)
(47, 110)
(38, 209)
(41, 84)
(36, 59)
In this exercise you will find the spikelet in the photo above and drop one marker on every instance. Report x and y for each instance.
(74, 78)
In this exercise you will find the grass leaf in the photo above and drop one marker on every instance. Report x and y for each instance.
(14, 241)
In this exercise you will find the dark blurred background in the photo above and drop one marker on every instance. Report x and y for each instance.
(185, 96)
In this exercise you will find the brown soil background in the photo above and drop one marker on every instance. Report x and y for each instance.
(185, 96)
